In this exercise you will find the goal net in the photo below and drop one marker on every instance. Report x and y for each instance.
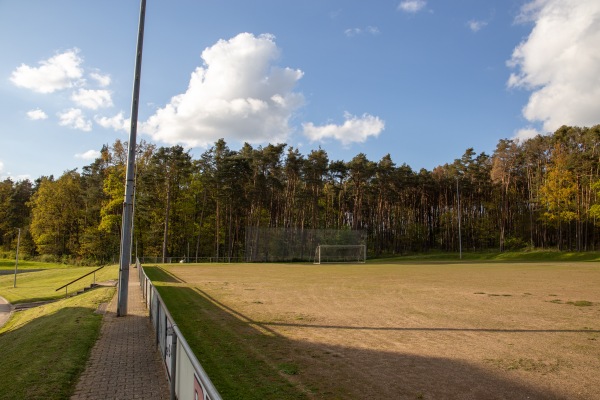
(295, 244)
(339, 253)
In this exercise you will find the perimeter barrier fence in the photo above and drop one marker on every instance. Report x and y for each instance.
(187, 377)
(184, 259)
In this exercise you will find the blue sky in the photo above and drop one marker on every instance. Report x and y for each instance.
(422, 80)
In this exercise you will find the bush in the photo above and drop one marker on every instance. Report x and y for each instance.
(48, 258)
(514, 244)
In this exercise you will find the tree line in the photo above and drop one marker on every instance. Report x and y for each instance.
(539, 193)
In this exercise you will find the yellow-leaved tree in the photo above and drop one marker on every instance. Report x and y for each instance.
(594, 210)
(558, 194)
(56, 215)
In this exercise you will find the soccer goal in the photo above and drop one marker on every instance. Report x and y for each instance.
(340, 253)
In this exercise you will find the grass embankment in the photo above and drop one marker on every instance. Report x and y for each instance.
(44, 349)
(224, 345)
(9, 265)
(509, 256)
(42, 285)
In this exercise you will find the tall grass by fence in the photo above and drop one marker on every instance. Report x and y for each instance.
(187, 377)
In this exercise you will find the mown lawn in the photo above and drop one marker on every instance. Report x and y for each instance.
(41, 285)
(7, 264)
(44, 349)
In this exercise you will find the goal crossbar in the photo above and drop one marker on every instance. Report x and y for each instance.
(340, 253)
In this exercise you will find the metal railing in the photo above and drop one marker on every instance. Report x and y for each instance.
(182, 260)
(187, 377)
(66, 287)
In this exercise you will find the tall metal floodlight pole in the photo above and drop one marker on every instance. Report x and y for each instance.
(459, 233)
(17, 258)
(125, 260)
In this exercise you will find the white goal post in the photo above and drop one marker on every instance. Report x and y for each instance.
(340, 253)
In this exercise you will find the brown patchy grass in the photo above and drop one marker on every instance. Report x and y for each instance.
(429, 331)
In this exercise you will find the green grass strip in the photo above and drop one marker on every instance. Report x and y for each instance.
(9, 265)
(44, 349)
(42, 285)
(509, 256)
(227, 348)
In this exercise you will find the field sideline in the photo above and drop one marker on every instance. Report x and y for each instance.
(405, 331)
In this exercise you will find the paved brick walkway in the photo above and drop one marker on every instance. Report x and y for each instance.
(125, 362)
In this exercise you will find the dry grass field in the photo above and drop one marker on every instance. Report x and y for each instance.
(418, 331)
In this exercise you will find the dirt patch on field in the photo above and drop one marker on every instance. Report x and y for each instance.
(492, 331)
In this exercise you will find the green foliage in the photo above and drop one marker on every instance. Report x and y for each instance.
(15, 214)
(57, 215)
(559, 190)
(594, 210)
(114, 189)
(514, 243)
(542, 193)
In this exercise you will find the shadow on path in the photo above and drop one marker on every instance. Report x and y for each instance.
(125, 362)
(20, 271)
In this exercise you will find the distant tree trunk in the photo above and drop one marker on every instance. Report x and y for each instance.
(200, 225)
(166, 231)
(217, 222)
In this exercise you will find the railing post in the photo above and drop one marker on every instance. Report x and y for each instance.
(173, 363)
(157, 322)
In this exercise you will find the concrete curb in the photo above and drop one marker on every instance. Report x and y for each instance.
(6, 310)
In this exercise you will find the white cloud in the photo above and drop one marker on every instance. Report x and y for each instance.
(8, 175)
(335, 14)
(102, 80)
(371, 30)
(559, 62)
(74, 118)
(475, 25)
(412, 6)
(117, 122)
(353, 130)
(59, 72)
(92, 99)
(352, 32)
(88, 155)
(526, 133)
(36, 114)
(238, 94)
